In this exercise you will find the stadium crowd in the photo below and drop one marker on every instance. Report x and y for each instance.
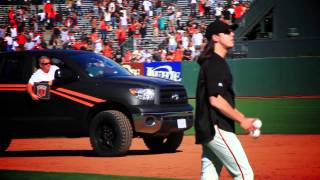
(113, 22)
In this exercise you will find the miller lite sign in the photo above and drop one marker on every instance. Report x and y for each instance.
(164, 70)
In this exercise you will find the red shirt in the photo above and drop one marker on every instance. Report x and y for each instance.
(21, 39)
(48, 7)
(11, 14)
(238, 11)
(177, 55)
(107, 51)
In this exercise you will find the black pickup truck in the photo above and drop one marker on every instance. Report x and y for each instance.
(92, 96)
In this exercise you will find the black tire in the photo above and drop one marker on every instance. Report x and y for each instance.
(110, 133)
(167, 144)
(5, 141)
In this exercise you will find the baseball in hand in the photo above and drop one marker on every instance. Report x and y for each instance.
(255, 133)
(257, 123)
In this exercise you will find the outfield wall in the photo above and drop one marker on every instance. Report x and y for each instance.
(298, 76)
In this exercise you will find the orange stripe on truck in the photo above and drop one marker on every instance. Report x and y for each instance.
(81, 95)
(72, 98)
(13, 85)
(12, 89)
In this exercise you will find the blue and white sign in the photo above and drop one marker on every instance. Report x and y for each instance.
(165, 70)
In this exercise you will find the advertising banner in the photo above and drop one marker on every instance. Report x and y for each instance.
(165, 70)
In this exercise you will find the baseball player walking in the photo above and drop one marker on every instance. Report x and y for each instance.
(215, 109)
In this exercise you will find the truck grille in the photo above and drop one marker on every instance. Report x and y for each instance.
(173, 95)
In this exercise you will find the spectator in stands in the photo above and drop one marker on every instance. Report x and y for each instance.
(155, 26)
(147, 7)
(29, 45)
(171, 11)
(98, 46)
(238, 10)
(226, 16)
(42, 19)
(218, 11)
(197, 39)
(170, 56)
(207, 8)
(77, 8)
(9, 40)
(15, 45)
(187, 53)
(185, 40)
(158, 5)
(124, 20)
(201, 9)
(107, 50)
(121, 35)
(146, 56)
(178, 18)
(21, 40)
(13, 31)
(178, 53)
(162, 24)
(156, 56)
(33, 23)
(143, 31)
(118, 55)
(2, 31)
(64, 35)
(137, 54)
(193, 6)
(172, 44)
(127, 57)
(103, 29)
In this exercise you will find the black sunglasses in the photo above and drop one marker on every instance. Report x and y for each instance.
(45, 63)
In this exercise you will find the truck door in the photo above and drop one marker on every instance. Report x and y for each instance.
(14, 74)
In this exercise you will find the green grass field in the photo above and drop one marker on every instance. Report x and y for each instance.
(281, 116)
(32, 175)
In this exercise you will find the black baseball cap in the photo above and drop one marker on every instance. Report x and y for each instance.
(217, 27)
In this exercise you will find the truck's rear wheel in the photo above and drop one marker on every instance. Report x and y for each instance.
(164, 144)
(110, 133)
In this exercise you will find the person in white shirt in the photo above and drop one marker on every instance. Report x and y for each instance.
(147, 6)
(8, 39)
(98, 46)
(13, 32)
(44, 73)
(197, 39)
(15, 44)
(185, 40)
(29, 45)
(218, 11)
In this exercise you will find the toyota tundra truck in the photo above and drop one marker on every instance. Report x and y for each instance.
(92, 96)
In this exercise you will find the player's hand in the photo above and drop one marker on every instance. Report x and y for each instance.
(247, 124)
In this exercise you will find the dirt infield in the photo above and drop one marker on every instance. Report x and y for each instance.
(276, 157)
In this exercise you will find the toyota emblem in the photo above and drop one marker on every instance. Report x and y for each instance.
(175, 97)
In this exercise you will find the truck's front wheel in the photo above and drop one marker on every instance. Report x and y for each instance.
(110, 133)
(164, 144)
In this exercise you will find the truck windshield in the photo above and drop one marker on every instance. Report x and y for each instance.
(99, 66)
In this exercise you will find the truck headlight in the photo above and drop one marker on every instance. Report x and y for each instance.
(142, 93)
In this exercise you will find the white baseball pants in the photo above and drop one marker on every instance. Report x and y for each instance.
(224, 150)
